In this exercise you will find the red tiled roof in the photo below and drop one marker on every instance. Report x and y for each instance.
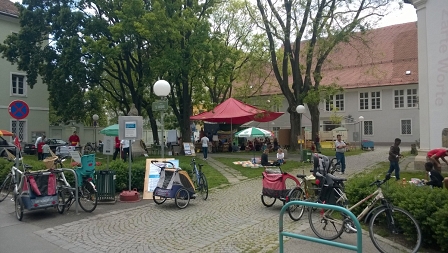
(8, 7)
(390, 52)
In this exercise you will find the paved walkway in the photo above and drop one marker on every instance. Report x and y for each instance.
(233, 219)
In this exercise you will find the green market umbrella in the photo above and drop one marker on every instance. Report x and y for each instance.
(110, 130)
(253, 132)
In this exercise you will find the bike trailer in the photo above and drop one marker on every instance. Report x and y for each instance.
(274, 184)
(38, 190)
(172, 180)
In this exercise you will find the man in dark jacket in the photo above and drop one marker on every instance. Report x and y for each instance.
(434, 175)
(394, 157)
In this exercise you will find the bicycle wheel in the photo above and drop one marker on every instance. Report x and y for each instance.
(296, 211)
(88, 198)
(61, 201)
(18, 207)
(203, 186)
(6, 187)
(182, 198)
(326, 224)
(395, 230)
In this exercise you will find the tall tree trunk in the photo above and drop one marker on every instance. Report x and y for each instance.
(294, 119)
(153, 124)
(315, 115)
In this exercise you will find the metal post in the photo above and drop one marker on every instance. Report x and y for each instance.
(301, 137)
(360, 133)
(130, 172)
(163, 141)
(95, 146)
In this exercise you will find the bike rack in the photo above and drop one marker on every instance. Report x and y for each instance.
(76, 188)
(357, 248)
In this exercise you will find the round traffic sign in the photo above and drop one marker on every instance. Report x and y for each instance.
(18, 109)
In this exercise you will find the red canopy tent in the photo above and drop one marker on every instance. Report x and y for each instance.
(233, 111)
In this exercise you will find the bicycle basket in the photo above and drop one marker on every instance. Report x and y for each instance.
(49, 162)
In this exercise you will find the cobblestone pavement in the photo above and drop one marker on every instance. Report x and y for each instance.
(233, 219)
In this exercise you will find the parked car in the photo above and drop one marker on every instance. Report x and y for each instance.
(4, 144)
(30, 149)
(54, 143)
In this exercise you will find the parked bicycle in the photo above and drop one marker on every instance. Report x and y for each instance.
(87, 193)
(391, 229)
(12, 180)
(199, 179)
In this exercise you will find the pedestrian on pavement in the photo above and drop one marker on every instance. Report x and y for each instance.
(434, 175)
(434, 155)
(205, 141)
(394, 157)
(340, 152)
(117, 147)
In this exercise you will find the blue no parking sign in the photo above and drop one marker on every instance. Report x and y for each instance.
(18, 109)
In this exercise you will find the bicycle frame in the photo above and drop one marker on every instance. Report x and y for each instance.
(196, 171)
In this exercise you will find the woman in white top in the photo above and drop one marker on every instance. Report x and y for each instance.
(280, 156)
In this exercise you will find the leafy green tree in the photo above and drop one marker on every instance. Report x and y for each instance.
(307, 31)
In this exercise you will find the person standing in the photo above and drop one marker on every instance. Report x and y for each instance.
(36, 144)
(394, 157)
(340, 152)
(125, 146)
(117, 148)
(45, 151)
(434, 155)
(40, 151)
(205, 141)
(74, 139)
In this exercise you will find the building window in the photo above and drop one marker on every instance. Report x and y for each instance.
(364, 101)
(370, 100)
(18, 85)
(19, 127)
(368, 127)
(412, 98)
(335, 102)
(405, 98)
(406, 127)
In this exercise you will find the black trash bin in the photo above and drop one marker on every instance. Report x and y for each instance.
(106, 186)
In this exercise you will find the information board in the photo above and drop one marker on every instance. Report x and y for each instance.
(108, 145)
(75, 156)
(152, 175)
(189, 149)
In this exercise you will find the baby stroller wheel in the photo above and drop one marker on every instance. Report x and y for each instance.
(267, 201)
(158, 200)
(182, 198)
(18, 207)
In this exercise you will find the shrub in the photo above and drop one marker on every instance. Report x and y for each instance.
(423, 203)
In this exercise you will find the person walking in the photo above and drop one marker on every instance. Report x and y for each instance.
(340, 152)
(117, 147)
(434, 155)
(205, 141)
(394, 157)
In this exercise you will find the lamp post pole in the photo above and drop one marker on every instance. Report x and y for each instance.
(361, 118)
(300, 109)
(162, 88)
(95, 118)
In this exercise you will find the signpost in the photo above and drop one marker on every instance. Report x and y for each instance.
(161, 105)
(18, 109)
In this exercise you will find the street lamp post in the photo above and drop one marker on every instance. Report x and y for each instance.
(361, 118)
(95, 118)
(300, 109)
(162, 88)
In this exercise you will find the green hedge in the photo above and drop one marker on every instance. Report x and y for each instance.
(429, 206)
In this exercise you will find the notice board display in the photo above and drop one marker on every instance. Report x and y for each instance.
(152, 175)
(189, 149)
